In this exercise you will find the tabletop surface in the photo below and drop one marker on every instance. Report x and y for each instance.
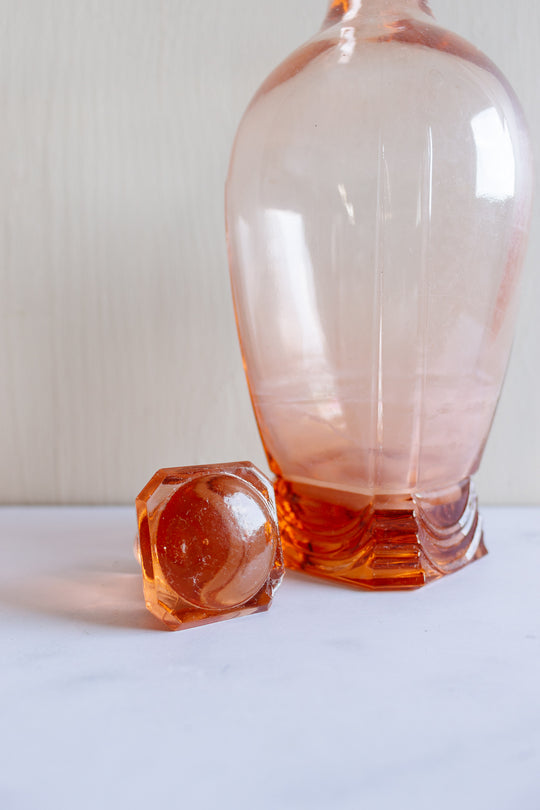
(332, 699)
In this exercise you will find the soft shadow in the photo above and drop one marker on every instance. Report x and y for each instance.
(310, 580)
(86, 595)
(322, 582)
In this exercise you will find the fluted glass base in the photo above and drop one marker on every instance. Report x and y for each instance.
(384, 542)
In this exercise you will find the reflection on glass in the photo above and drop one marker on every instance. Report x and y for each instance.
(496, 166)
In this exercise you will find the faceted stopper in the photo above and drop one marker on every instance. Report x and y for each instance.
(209, 543)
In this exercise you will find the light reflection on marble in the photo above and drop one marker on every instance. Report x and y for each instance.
(99, 597)
(90, 578)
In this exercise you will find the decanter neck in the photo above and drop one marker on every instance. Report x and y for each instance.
(350, 9)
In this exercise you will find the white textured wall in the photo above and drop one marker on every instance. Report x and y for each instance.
(118, 350)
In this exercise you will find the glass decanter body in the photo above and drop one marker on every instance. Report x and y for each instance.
(378, 201)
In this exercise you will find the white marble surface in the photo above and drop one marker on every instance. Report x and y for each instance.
(332, 699)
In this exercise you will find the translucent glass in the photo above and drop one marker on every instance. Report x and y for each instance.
(377, 205)
(208, 543)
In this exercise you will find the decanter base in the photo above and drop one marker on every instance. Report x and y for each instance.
(387, 542)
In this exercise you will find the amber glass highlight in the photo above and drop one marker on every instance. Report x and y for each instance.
(378, 201)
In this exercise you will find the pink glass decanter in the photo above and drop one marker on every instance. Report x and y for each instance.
(378, 201)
